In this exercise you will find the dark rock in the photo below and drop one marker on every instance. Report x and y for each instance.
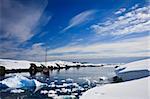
(117, 79)
(33, 69)
(2, 70)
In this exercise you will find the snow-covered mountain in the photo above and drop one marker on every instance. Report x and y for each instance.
(23, 64)
(136, 85)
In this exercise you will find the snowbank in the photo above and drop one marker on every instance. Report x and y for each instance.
(137, 65)
(133, 89)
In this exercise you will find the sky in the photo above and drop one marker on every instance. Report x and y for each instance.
(75, 30)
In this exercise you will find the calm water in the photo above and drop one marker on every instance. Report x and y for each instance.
(82, 76)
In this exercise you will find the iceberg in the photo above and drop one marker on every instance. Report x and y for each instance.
(20, 82)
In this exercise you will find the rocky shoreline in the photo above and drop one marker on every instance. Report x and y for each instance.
(33, 69)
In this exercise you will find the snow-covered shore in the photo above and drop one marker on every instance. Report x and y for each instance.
(137, 88)
(23, 64)
(16, 64)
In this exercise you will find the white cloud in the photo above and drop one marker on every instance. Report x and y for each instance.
(125, 48)
(135, 6)
(36, 52)
(80, 18)
(134, 47)
(19, 19)
(135, 21)
(120, 11)
(18, 24)
(24, 19)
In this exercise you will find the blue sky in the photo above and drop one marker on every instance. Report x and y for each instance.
(82, 30)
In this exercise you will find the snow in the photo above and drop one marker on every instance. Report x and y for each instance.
(137, 65)
(16, 64)
(133, 89)
(62, 63)
(137, 89)
(23, 64)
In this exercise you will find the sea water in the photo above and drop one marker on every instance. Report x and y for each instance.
(62, 82)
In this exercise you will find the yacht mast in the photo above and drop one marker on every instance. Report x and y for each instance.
(46, 56)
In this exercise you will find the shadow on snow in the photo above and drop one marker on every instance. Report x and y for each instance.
(133, 75)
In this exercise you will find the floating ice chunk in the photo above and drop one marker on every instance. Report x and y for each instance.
(44, 92)
(57, 90)
(55, 81)
(52, 93)
(75, 84)
(52, 84)
(81, 89)
(64, 90)
(66, 97)
(65, 84)
(18, 81)
(74, 89)
(69, 80)
(17, 91)
(76, 94)
(63, 81)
